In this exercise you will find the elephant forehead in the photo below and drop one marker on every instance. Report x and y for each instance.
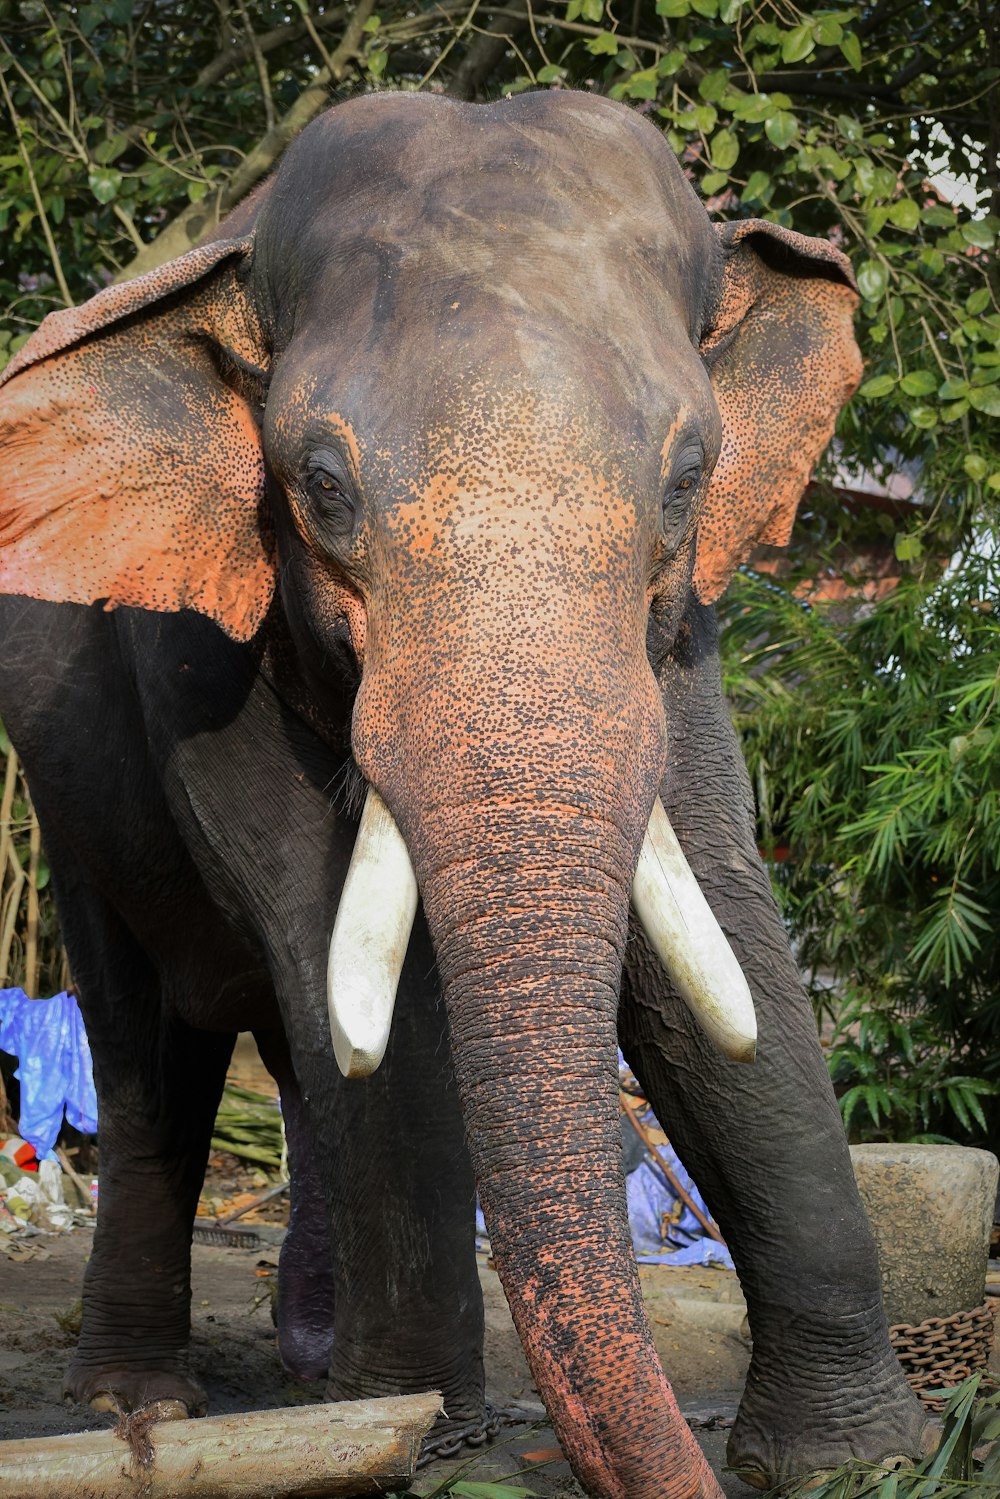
(525, 483)
(525, 199)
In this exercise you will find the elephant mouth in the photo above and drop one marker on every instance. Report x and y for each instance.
(379, 903)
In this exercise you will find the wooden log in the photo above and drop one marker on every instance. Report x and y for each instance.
(319, 1451)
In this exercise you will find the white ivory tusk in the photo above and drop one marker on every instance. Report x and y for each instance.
(370, 937)
(689, 942)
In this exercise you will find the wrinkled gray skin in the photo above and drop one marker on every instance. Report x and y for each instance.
(184, 780)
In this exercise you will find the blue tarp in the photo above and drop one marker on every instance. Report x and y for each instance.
(664, 1230)
(55, 1071)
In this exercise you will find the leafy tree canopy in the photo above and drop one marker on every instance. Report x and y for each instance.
(865, 674)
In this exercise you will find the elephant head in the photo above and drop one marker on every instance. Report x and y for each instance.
(480, 390)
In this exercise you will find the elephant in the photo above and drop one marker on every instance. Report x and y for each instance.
(415, 486)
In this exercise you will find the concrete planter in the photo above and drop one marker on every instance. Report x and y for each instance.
(931, 1209)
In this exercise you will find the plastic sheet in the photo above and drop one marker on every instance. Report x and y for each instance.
(54, 1067)
(664, 1230)
(38, 1200)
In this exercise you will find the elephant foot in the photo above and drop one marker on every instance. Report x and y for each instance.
(805, 1434)
(304, 1348)
(120, 1390)
(305, 1305)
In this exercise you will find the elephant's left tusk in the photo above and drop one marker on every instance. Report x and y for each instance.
(370, 937)
(687, 939)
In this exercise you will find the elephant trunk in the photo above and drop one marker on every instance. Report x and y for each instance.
(508, 717)
(527, 899)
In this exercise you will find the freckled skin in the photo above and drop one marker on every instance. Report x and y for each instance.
(456, 434)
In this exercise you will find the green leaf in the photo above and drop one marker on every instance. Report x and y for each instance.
(923, 417)
(108, 150)
(551, 73)
(781, 129)
(919, 383)
(673, 9)
(797, 44)
(592, 11)
(488, 1490)
(976, 467)
(707, 8)
(671, 63)
(851, 48)
(754, 108)
(908, 546)
(713, 86)
(905, 214)
(977, 301)
(703, 117)
(850, 128)
(104, 183)
(91, 17)
(714, 182)
(724, 149)
(951, 390)
(640, 85)
(877, 386)
(864, 173)
(603, 45)
(875, 220)
(985, 398)
(757, 185)
(979, 233)
(828, 31)
(872, 280)
(729, 10)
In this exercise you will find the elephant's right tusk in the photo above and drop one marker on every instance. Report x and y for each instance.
(689, 942)
(370, 937)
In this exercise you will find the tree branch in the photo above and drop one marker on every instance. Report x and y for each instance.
(43, 217)
(486, 50)
(268, 41)
(187, 228)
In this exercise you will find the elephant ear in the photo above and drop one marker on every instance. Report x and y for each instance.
(131, 468)
(783, 360)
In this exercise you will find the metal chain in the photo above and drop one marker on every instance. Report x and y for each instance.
(943, 1350)
(939, 1352)
(450, 1441)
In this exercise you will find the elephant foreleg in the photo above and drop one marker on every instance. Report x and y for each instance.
(158, 1085)
(305, 1270)
(765, 1142)
(408, 1312)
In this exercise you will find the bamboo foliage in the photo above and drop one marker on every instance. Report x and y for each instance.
(31, 951)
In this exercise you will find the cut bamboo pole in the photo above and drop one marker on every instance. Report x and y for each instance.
(31, 925)
(319, 1451)
(6, 850)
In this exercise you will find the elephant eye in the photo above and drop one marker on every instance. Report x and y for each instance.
(677, 499)
(331, 489)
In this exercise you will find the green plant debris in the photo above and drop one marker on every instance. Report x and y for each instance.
(249, 1125)
(966, 1461)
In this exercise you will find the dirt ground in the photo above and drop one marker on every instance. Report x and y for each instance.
(695, 1314)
